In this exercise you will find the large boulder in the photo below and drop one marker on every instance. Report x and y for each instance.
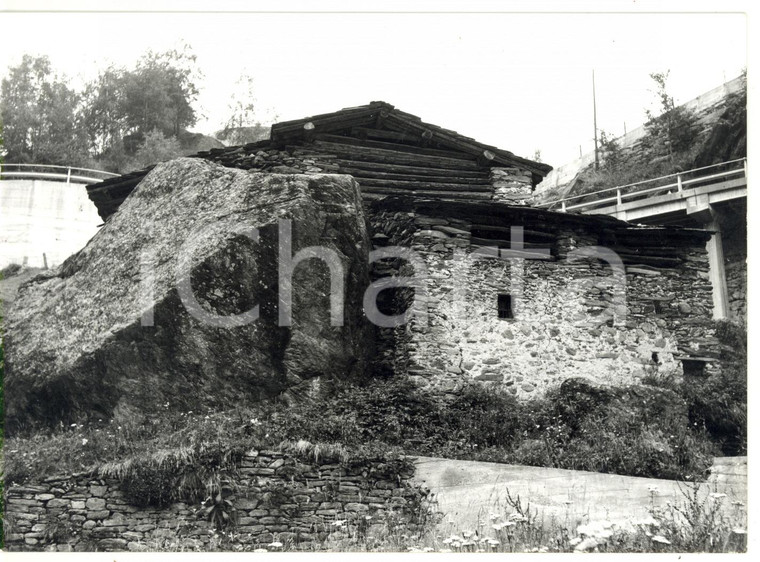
(79, 339)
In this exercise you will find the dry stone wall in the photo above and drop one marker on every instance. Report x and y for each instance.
(511, 185)
(276, 497)
(566, 321)
(735, 259)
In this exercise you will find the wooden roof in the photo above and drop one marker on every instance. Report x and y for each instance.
(388, 151)
(383, 121)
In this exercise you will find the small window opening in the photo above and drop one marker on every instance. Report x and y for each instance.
(655, 357)
(693, 368)
(610, 322)
(504, 305)
(657, 307)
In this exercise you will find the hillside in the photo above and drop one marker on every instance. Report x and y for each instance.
(715, 131)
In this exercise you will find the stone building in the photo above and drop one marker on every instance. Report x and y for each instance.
(510, 294)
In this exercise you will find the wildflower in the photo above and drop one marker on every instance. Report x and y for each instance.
(660, 539)
(447, 541)
(737, 503)
(649, 520)
(84, 442)
(73, 425)
(586, 544)
(739, 531)
(596, 529)
(653, 489)
(493, 542)
(428, 549)
(261, 550)
(717, 496)
(275, 544)
(467, 534)
(575, 541)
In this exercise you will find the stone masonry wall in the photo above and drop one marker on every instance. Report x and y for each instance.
(564, 323)
(511, 185)
(276, 498)
(735, 258)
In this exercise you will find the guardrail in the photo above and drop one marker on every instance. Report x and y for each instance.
(630, 192)
(66, 174)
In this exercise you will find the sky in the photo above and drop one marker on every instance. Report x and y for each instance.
(519, 80)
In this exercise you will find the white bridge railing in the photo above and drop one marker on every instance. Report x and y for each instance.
(715, 173)
(66, 174)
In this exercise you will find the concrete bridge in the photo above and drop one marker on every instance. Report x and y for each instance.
(713, 197)
(45, 214)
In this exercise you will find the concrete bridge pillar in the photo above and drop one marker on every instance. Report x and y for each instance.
(711, 219)
(717, 271)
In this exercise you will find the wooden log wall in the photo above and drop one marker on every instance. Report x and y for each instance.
(381, 168)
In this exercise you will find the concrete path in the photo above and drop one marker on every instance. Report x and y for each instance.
(469, 490)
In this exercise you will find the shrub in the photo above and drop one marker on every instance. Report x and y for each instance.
(484, 416)
(718, 403)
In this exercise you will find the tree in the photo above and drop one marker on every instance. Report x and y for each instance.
(673, 129)
(122, 107)
(159, 93)
(103, 112)
(243, 126)
(155, 148)
(39, 115)
(611, 151)
(2, 148)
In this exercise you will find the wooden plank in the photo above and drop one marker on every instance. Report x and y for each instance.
(294, 130)
(527, 233)
(390, 177)
(507, 243)
(397, 184)
(457, 195)
(353, 165)
(382, 134)
(394, 146)
(394, 157)
(398, 120)
(655, 250)
(654, 261)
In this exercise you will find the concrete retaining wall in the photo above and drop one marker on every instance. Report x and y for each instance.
(44, 217)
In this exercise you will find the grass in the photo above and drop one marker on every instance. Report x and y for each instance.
(637, 431)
